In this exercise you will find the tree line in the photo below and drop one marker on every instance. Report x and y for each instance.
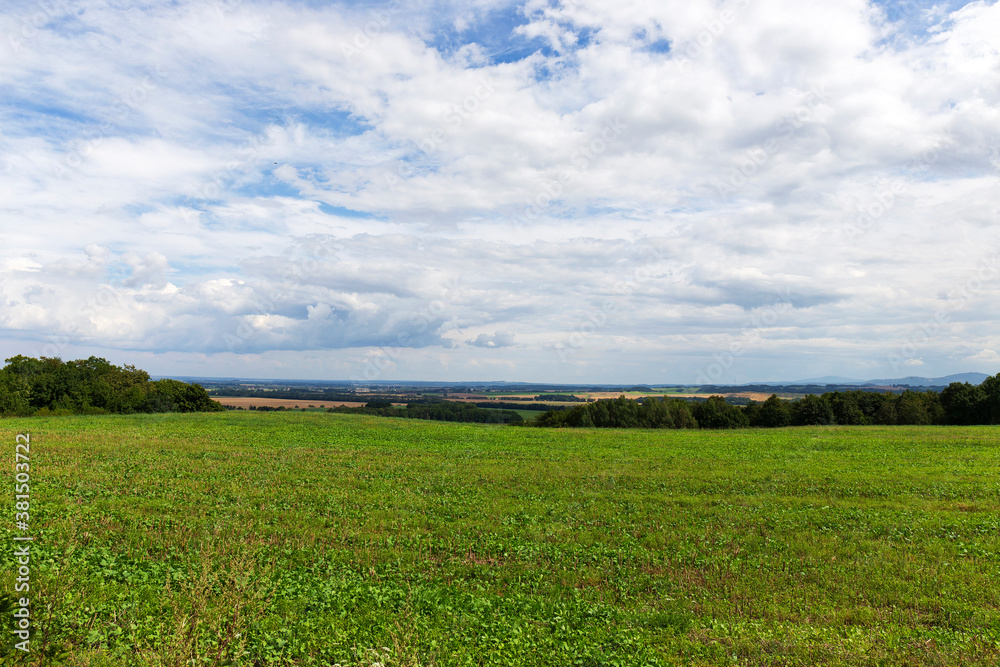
(435, 410)
(960, 403)
(290, 394)
(51, 386)
(503, 405)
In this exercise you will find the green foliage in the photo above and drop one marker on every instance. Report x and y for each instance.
(959, 403)
(436, 410)
(15, 392)
(846, 408)
(812, 410)
(990, 406)
(773, 413)
(175, 396)
(715, 413)
(51, 387)
(681, 413)
(964, 403)
(916, 408)
(621, 412)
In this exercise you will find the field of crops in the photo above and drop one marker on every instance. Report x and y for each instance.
(314, 539)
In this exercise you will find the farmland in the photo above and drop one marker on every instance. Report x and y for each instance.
(246, 402)
(252, 538)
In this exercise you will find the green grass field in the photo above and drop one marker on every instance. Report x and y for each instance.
(315, 539)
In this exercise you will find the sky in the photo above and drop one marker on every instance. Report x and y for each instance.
(564, 191)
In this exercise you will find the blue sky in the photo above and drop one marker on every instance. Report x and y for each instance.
(576, 191)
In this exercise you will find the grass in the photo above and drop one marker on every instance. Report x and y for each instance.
(320, 539)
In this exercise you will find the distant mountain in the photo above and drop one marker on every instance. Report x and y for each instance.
(914, 381)
(830, 379)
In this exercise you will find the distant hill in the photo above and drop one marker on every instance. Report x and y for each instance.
(829, 379)
(914, 381)
(822, 381)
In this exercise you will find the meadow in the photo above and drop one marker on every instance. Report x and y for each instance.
(246, 538)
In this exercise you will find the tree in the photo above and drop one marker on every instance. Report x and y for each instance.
(774, 413)
(655, 413)
(846, 409)
(717, 414)
(52, 381)
(553, 418)
(912, 408)
(886, 415)
(600, 414)
(578, 416)
(25, 367)
(682, 415)
(991, 400)
(870, 403)
(623, 413)
(14, 391)
(812, 410)
(91, 386)
(963, 403)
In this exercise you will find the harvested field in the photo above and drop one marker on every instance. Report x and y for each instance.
(247, 401)
(753, 395)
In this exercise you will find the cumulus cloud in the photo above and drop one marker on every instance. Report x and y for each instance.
(991, 357)
(496, 339)
(411, 183)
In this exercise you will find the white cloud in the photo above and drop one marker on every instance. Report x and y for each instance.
(494, 340)
(195, 184)
(986, 356)
(21, 264)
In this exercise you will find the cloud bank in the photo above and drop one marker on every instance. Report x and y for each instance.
(545, 191)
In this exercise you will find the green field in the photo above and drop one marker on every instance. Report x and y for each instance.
(312, 539)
